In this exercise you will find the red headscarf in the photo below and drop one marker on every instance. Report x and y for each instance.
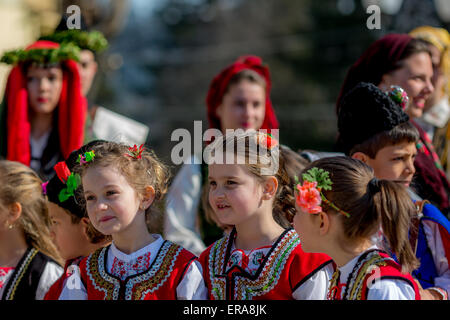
(220, 83)
(72, 108)
(377, 60)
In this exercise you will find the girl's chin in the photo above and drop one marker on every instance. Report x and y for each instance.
(414, 112)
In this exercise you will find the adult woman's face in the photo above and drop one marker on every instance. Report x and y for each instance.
(415, 78)
(44, 88)
(243, 106)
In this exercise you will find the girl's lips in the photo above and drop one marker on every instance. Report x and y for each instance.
(106, 218)
(42, 100)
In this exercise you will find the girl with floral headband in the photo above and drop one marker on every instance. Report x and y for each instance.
(29, 261)
(262, 257)
(340, 205)
(43, 114)
(120, 185)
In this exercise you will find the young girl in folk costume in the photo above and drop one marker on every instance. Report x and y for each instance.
(120, 184)
(340, 205)
(262, 257)
(74, 234)
(43, 114)
(29, 262)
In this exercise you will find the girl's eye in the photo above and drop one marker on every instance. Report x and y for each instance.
(212, 183)
(111, 192)
(229, 182)
(89, 198)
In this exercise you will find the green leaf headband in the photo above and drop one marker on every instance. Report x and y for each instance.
(42, 56)
(309, 194)
(94, 40)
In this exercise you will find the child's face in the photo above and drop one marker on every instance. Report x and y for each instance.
(243, 106)
(235, 194)
(395, 163)
(111, 202)
(69, 237)
(44, 88)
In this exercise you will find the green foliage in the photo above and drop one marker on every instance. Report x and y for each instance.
(94, 40)
(42, 56)
(320, 176)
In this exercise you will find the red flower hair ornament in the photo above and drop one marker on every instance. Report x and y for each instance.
(135, 152)
(309, 195)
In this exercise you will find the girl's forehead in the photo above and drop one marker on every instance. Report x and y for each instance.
(96, 175)
(228, 170)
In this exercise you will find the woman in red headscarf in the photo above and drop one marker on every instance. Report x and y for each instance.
(238, 98)
(43, 113)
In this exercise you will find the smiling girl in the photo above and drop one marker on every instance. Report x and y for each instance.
(262, 257)
(120, 185)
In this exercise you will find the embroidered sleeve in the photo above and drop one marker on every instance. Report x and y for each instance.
(315, 286)
(192, 286)
(391, 289)
(182, 204)
(438, 240)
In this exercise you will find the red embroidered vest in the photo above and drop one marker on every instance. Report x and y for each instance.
(373, 265)
(282, 271)
(159, 282)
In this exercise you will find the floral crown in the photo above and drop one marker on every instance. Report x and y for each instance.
(135, 152)
(42, 56)
(94, 40)
(309, 195)
(70, 179)
(399, 96)
(86, 157)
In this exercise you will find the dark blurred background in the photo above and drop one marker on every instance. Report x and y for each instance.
(164, 53)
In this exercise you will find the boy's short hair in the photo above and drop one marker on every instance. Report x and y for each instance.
(370, 120)
(404, 132)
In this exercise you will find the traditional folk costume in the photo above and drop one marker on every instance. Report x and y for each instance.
(372, 275)
(279, 272)
(31, 278)
(67, 132)
(161, 270)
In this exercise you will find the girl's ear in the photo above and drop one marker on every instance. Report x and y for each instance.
(218, 111)
(148, 197)
(324, 223)
(270, 187)
(15, 211)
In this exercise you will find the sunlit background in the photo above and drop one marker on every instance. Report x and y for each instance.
(164, 53)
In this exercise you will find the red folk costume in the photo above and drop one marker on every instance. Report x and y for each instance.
(71, 110)
(158, 282)
(284, 270)
(372, 267)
